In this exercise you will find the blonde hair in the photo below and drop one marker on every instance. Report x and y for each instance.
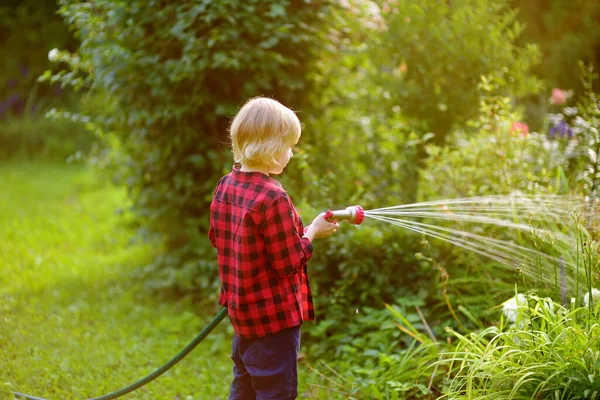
(262, 130)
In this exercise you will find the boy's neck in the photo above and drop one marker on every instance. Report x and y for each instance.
(264, 170)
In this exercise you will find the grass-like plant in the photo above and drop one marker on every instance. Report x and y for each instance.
(541, 349)
(554, 353)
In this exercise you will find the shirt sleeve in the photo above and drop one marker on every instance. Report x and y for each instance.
(287, 251)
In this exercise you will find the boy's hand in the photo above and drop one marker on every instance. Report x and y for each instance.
(321, 228)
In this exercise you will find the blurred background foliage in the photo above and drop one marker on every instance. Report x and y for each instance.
(28, 30)
(565, 32)
(401, 101)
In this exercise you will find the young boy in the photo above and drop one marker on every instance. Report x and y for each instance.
(262, 250)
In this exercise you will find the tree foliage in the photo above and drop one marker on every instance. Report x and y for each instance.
(565, 32)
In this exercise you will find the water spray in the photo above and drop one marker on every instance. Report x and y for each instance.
(547, 218)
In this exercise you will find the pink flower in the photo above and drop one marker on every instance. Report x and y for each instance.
(558, 96)
(519, 127)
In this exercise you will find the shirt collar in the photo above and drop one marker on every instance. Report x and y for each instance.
(253, 176)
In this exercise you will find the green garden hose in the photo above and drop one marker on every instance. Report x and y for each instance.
(204, 333)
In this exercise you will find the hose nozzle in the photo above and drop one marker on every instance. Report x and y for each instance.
(352, 214)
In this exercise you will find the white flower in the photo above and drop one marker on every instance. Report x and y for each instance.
(570, 111)
(514, 306)
(581, 123)
(595, 298)
(53, 55)
(372, 16)
(548, 305)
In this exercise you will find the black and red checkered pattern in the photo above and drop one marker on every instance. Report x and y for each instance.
(262, 254)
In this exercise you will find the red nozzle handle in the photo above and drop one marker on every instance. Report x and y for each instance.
(329, 215)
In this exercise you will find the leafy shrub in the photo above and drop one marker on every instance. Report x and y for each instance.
(374, 359)
(431, 56)
(171, 76)
(366, 145)
(402, 74)
(489, 157)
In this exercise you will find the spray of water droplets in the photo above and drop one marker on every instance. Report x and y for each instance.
(548, 218)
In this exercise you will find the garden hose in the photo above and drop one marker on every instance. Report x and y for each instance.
(204, 333)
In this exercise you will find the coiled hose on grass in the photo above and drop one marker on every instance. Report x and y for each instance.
(204, 333)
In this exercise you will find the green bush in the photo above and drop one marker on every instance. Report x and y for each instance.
(533, 360)
(170, 77)
(432, 55)
(401, 76)
(493, 155)
(377, 262)
(389, 95)
(489, 157)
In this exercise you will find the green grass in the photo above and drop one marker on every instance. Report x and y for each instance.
(74, 323)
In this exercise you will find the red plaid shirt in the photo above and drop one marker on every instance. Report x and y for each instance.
(261, 253)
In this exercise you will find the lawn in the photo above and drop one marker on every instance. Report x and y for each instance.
(74, 320)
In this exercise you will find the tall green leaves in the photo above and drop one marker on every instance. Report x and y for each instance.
(556, 357)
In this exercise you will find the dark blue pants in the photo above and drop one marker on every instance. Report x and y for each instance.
(266, 368)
